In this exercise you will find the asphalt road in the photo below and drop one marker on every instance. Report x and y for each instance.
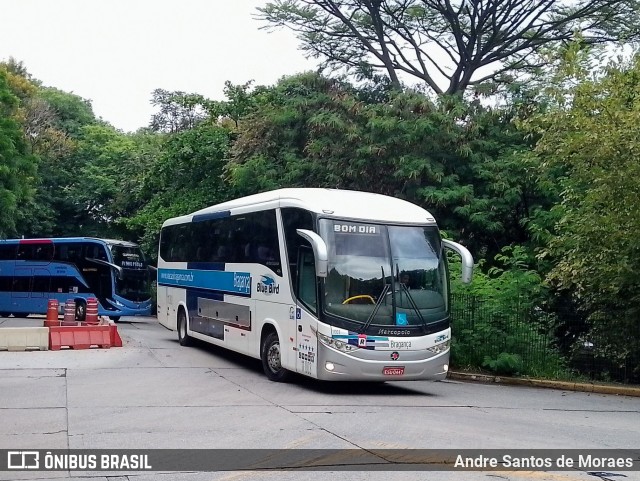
(153, 393)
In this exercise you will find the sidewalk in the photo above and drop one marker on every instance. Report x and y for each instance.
(617, 389)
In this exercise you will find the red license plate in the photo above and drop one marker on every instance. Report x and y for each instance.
(393, 371)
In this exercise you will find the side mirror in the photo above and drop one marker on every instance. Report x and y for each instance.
(467, 259)
(319, 251)
(115, 267)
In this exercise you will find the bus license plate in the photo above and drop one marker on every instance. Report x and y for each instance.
(393, 371)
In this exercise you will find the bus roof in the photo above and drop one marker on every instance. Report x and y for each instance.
(69, 239)
(347, 204)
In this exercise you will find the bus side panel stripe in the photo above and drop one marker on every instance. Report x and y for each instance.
(238, 283)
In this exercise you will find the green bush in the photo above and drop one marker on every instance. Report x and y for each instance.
(505, 364)
(497, 323)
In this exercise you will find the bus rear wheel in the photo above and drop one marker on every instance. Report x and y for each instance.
(271, 355)
(183, 338)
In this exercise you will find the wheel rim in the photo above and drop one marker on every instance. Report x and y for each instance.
(80, 311)
(273, 357)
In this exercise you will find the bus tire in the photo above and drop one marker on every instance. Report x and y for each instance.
(114, 318)
(81, 310)
(271, 355)
(183, 338)
(5, 314)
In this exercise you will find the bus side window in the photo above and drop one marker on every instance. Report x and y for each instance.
(25, 252)
(44, 252)
(7, 252)
(62, 253)
(293, 219)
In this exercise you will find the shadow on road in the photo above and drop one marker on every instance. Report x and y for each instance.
(346, 388)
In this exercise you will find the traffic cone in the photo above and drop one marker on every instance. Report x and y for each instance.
(52, 314)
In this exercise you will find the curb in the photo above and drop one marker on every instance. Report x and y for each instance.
(619, 390)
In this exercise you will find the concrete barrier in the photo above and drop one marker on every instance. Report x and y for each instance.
(24, 338)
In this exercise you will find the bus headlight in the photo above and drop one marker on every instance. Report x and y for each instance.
(438, 348)
(336, 344)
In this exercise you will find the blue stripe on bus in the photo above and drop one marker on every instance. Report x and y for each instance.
(211, 216)
(224, 281)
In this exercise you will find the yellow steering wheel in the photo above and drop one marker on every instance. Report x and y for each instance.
(362, 296)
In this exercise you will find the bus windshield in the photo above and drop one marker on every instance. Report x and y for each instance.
(384, 275)
(133, 283)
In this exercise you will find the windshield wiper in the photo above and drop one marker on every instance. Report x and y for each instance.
(413, 304)
(376, 307)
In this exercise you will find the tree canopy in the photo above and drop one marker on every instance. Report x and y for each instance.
(596, 145)
(447, 46)
(17, 166)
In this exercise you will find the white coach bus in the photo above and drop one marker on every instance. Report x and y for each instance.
(332, 284)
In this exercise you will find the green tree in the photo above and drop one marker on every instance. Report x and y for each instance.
(71, 112)
(185, 177)
(447, 45)
(465, 163)
(178, 111)
(51, 122)
(239, 101)
(95, 179)
(594, 145)
(17, 166)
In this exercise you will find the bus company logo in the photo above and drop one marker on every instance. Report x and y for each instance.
(441, 338)
(355, 229)
(268, 285)
(395, 355)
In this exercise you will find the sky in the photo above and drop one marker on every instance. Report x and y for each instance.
(116, 52)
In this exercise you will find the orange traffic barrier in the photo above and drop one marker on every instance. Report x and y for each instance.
(116, 340)
(69, 313)
(52, 314)
(91, 316)
(79, 337)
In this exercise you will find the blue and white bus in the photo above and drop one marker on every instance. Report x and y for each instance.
(32, 271)
(332, 284)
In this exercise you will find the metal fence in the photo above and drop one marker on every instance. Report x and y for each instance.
(554, 343)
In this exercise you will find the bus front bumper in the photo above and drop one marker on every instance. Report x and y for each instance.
(337, 366)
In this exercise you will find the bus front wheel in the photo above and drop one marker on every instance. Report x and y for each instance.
(183, 338)
(272, 358)
(81, 311)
